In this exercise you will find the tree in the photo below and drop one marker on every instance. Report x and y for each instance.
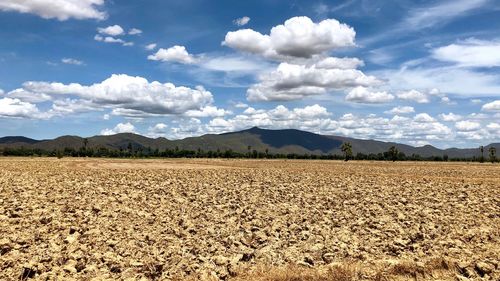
(249, 151)
(493, 154)
(481, 148)
(393, 153)
(85, 143)
(347, 150)
(129, 148)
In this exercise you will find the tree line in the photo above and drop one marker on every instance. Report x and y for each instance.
(131, 151)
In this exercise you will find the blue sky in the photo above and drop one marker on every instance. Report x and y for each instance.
(416, 72)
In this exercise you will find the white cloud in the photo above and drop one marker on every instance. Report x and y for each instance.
(339, 63)
(494, 127)
(440, 13)
(119, 129)
(401, 110)
(174, 54)
(158, 130)
(15, 108)
(292, 82)
(105, 117)
(414, 95)
(299, 37)
(231, 63)
(451, 79)
(208, 111)
(128, 92)
(113, 30)
(311, 112)
(242, 21)
(493, 106)
(447, 100)
(151, 46)
(72, 61)
(467, 126)
(134, 31)
(59, 9)
(364, 95)
(450, 117)
(423, 118)
(471, 53)
(476, 101)
(28, 96)
(109, 39)
(241, 105)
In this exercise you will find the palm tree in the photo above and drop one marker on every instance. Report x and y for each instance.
(347, 150)
(493, 154)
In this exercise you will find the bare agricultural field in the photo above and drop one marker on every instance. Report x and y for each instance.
(248, 220)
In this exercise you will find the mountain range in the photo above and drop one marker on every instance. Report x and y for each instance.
(275, 141)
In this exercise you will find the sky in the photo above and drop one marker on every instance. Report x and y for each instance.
(414, 72)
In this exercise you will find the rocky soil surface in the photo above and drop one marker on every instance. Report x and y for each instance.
(93, 219)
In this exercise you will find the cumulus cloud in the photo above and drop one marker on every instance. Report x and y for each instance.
(424, 118)
(109, 39)
(364, 95)
(176, 53)
(134, 31)
(339, 63)
(241, 105)
(467, 126)
(401, 110)
(130, 93)
(15, 108)
(72, 61)
(292, 82)
(119, 129)
(208, 111)
(242, 21)
(470, 53)
(298, 37)
(493, 106)
(113, 30)
(494, 127)
(450, 117)
(58, 9)
(158, 130)
(414, 95)
(151, 46)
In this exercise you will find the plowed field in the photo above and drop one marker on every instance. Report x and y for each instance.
(65, 219)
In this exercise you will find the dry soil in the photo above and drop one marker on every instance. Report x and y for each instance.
(65, 219)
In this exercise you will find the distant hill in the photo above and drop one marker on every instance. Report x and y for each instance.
(275, 141)
(16, 139)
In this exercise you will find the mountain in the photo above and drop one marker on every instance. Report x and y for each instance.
(275, 141)
(17, 139)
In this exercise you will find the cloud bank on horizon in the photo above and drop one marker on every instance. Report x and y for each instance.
(422, 73)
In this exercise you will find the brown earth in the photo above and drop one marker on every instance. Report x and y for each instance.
(79, 219)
